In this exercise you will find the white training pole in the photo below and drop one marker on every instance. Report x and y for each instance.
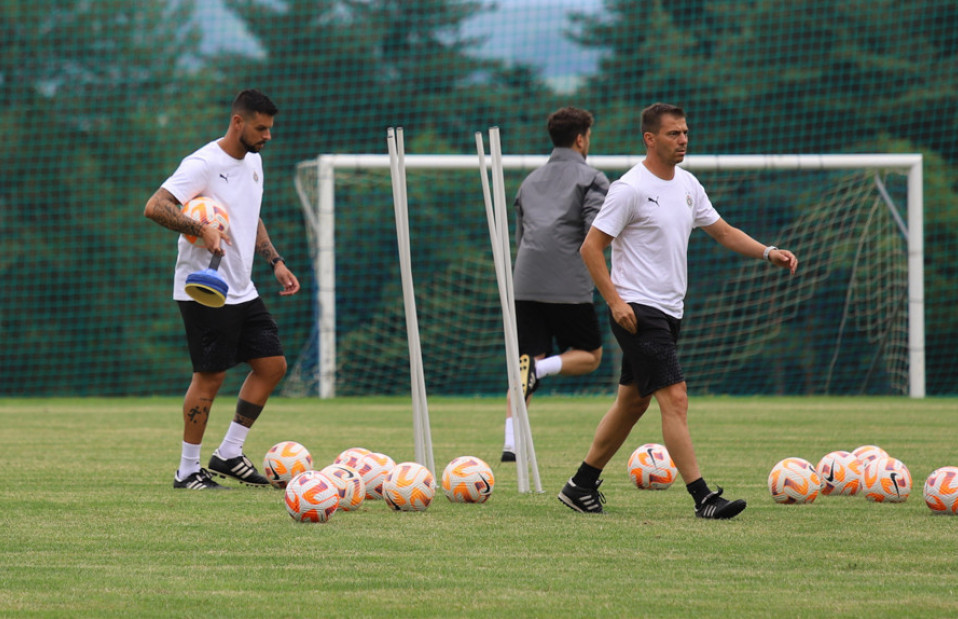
(499, 239)
(524, 439)
(415, 367)
(421, 430)
(420, 403)
(512, 369)
(421, 409)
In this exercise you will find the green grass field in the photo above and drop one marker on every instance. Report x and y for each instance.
(91, 526)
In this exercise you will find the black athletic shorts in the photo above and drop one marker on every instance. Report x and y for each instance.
(650, 358)
(571, 325)
(222, 337)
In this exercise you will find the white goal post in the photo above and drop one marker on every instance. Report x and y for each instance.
(318, 205)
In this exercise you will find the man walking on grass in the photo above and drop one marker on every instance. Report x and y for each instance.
(647, 218)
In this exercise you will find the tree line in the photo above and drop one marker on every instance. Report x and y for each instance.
(102, 99)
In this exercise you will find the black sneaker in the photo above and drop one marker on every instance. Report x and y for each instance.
(200, 480)
(715, 507)
(582, 499)
(527, 374)
(508, 455)
(239, 468)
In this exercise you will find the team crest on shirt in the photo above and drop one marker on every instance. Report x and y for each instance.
(688, 199)
(256, 178)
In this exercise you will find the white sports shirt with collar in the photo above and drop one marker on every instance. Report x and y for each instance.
(651, 220)
(237, 184)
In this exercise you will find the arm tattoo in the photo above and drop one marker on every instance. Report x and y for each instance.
(264, 247)
(166, 211)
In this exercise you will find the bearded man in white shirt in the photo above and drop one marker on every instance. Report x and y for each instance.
(228, 170)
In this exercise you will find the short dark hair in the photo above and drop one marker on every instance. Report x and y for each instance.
(250, 101)
(652, 116)
(568, 123)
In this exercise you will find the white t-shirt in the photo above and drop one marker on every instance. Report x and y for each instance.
(237, 184)
(651, 220)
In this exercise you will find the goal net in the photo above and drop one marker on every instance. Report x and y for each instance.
(849, 322)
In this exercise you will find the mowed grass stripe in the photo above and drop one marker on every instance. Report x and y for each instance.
(92, 527)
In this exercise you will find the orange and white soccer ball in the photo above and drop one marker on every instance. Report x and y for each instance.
(310, 474)
(409, 487)
(886, 480)
(941, 490)
(352, 457)
(350, 485)
(311, 497)
(840, 472)
(207, 210)
(468, 479)
(794, 480)
(284, 461)
(867, 453)
(374, 467)
(651, 467)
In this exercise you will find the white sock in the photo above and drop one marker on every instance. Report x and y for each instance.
(548, 366)
(189, 460)
(510, 442)
(232, 445)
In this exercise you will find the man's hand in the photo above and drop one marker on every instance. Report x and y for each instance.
(784, 259)
(286, 278)
(212, 238)
(624, 316)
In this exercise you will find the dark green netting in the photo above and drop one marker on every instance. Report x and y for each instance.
(100, 100)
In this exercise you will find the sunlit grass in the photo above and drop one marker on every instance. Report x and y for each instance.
(92, 527)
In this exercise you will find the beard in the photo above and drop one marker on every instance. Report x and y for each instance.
(251, 148)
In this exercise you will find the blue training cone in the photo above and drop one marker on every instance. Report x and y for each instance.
(207, 286)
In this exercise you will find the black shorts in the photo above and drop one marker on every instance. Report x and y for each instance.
(650, 358)
(571, 325)
(222, 337)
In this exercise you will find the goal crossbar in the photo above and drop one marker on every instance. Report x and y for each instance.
(320, 214)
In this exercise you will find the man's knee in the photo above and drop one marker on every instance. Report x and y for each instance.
(270, 368)
(208, 381)
(673, 400)
(596, 359)
(632, 403)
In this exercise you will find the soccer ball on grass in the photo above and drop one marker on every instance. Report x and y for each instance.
(651, 467)
(352, 457)
(409, 487)
(374, 467)
(867, 453)
(284, 461)
(941, 490)
(350, 485)
(886, 480)
(794, 480)
(311, 497)
(840, 472)
(468, 479)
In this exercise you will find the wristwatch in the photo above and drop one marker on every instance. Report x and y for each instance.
(276, 260)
